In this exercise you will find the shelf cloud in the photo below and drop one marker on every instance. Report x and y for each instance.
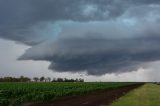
(92, 36)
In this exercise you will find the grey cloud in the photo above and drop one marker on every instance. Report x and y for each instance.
(115, 48)
(97, 56)
(20, 18)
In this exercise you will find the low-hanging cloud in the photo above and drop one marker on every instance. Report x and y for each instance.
(97, 56)
(95, 36)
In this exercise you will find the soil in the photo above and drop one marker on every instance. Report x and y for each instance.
(99, 98)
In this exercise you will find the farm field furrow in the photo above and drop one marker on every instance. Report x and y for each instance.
(147, 95)
(14, 94)
(99, 98)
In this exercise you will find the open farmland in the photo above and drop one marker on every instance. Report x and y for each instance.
(14, 94)
(146, 95)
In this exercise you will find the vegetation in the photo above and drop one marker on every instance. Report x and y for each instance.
(36, 79)
(147, 95)
(14, 94)
(13, 79)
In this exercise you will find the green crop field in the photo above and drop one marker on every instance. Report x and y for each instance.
(146, 95)
(13, 94)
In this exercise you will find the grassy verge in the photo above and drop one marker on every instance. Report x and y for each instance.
(146, 95)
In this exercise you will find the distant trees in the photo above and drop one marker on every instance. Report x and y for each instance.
(13, 79)
(48, 79)
(24, 79)
(67, 80)
(41, 79)
(59, 79)
(35, 79)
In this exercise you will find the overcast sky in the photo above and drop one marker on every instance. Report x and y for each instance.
(98, 40)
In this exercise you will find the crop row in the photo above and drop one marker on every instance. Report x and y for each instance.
(14, 94)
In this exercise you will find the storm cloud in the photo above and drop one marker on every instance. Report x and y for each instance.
(97, 56)
(93, 36)
(22, 20)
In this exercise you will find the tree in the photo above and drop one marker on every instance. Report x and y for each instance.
(48, 79)
(59, 79)
(21, 78)
(36, 79)
(81, 80)
(54, 80)
(42, 79)
(26, 79)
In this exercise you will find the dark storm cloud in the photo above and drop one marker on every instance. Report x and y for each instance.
(20, 17)
(130, 39)
(97, 56)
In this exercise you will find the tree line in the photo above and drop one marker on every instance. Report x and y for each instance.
(39, 79)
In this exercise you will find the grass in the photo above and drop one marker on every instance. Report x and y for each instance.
(146, 95)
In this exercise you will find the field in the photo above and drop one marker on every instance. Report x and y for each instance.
(14, 94)
(146, 95)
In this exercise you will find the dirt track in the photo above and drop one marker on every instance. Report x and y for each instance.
(100, 98)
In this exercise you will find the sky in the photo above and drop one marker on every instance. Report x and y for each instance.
(97, 40)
